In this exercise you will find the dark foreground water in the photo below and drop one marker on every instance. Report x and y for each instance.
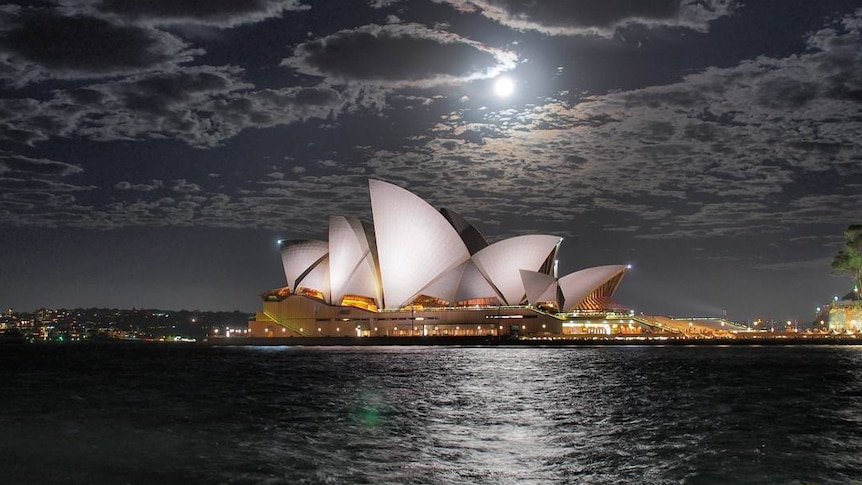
(115, 414)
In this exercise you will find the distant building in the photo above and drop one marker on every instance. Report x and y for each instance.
(845, 316)
(420, 271)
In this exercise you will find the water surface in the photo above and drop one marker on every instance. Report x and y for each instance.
(145, 414)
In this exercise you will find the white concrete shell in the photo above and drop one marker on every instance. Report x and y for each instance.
(318, 279)
(415, 243)
(579, 285)
(298, 257)
(351, 266)
(445, 287)
(502, 262)
(464, 282)
(539, 286)
(474, 285)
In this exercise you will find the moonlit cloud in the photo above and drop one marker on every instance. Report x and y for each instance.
(141, 187)
(182, 185)
(216, 13)
(649, 155)
(398, 56)
(597, 17)
(683, 142)
(10, 163)
(201, 106)
(19, 184)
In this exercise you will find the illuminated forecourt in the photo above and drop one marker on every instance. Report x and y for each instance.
(421, 271)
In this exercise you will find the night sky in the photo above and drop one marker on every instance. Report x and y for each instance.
(152, 152)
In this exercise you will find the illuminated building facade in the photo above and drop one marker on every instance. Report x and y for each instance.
(420, 271)
(845, 316)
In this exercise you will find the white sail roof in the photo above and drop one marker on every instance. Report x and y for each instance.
(539, 286)
(318, 279)
(578, 285)
(298, 257)
(351, 267)
(415, 243)
(502, 262)
(474, 285)
(445, 286)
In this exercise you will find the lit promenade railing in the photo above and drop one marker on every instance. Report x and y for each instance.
(286, 325)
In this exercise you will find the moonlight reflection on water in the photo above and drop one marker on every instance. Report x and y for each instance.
(138, 414)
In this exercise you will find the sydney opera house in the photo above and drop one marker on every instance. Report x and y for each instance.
(419, 271)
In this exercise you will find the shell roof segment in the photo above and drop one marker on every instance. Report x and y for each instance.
(579, 285)
(502, 262)
(351, 266)
(415, 243)
(539, 286)
(299, 257)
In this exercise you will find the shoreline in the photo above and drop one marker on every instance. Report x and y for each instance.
(497, 342)
(449, 341)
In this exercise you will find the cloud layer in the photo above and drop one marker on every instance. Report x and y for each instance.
(400, 55)
(597, 17)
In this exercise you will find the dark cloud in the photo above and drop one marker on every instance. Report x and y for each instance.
(299, 204)
(9, 210)
(714, 154)
(588, 13)
(398, 56)
(39, 184)
(202, 106)
(382, 3)
(140, 106)
(160, 93)
(657, 131)
(41, 43)
(13, 133)
(143, 187)
(785, 92)
(824, 148)
(812, 264)
(85, 96)
(33, 166)
(30, 187)
(218, 13)
(597, 17)
(704, 132)
(186, 187)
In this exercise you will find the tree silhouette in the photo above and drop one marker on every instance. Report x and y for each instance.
(849, 258)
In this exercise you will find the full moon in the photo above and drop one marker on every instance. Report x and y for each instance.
(504, 87)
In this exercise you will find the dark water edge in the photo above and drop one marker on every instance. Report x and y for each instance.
(141, 414)
(491, 341)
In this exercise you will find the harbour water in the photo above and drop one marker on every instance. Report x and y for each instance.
(141, 414)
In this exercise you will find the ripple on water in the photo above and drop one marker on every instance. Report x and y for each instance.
(427, 415)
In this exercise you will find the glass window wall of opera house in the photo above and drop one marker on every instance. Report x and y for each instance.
(419, 271)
